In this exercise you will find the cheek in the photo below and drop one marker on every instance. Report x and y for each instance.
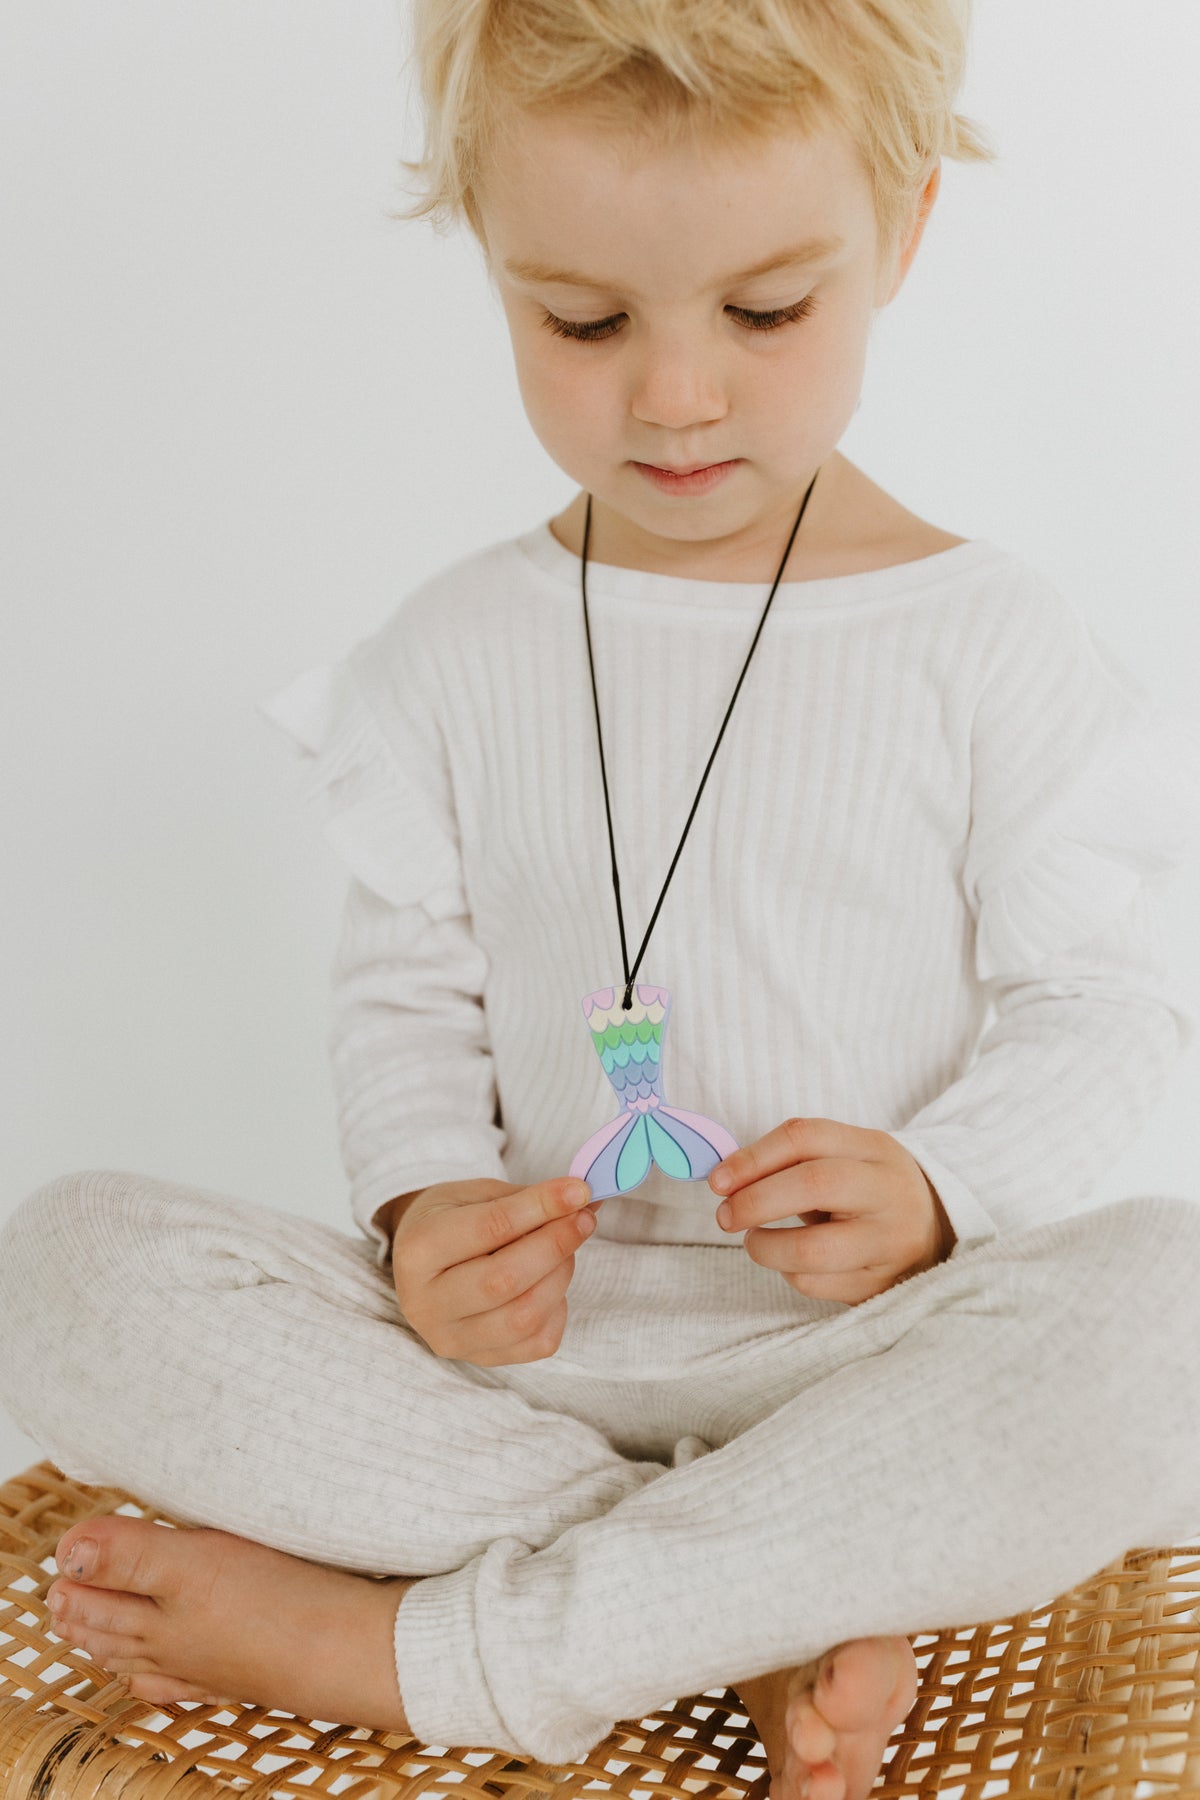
(564, 396)
(847, 346)
(822, 383)
(799, 403)
(830, 354)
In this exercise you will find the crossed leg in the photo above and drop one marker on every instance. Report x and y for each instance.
(276, 1338)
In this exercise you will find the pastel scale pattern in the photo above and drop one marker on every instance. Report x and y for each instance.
(646, 1131)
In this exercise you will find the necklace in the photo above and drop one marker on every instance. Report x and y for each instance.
(629, 1026)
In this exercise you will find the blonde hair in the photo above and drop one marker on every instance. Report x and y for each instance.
(887, 71)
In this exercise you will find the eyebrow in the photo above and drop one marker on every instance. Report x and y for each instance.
(549, 274)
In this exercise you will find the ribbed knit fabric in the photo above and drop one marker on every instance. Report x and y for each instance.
(938, 789)
(757, 1477)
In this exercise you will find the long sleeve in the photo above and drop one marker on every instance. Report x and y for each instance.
(1084, 797)
(412, 1066)
(1061, 1084)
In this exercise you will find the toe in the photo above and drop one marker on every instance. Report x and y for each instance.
(75, 1607)
(167, 1690)
(108, 1648)
(858, 1682)
(76, 1550)
(812, 1737)
(908, 1682)
(826, 1782)
(127, 1553)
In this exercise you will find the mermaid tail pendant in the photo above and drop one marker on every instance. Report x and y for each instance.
(618, 1157)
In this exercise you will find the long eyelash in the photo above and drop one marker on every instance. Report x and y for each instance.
(591, 330)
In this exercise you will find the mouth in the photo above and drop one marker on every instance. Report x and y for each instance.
(670, 469)
(696, 479)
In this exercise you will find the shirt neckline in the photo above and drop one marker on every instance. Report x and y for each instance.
(611, 581)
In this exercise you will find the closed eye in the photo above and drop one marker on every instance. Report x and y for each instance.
(591, 330)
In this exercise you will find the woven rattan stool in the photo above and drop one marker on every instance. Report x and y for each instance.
(1094, 1696)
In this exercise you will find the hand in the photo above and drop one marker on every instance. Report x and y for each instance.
(872, 1215)
(481, 1268)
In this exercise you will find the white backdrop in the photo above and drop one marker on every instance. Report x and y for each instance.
(245, 413)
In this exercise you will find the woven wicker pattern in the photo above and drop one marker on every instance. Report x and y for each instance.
(1092, 1697)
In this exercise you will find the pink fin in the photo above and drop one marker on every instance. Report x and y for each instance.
(720, 1139)
(648, 995)
(587, 1153)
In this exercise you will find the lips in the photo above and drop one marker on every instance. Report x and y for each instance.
(696, 480)
(692, 468)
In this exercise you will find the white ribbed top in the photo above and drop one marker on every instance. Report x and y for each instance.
(937, 789)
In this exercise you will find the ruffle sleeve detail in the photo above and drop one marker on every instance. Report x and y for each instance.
(378, 814)
(1134, 813)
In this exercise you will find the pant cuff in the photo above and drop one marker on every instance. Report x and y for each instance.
(443, 1689)
(471, 1649)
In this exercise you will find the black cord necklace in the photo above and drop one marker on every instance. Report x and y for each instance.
(629, 1036)
(630, 974)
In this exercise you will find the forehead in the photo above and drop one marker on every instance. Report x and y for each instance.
(567, 194)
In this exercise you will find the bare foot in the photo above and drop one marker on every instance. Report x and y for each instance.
(827, 1723)
(203, 1615)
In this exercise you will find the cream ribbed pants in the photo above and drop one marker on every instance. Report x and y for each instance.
(714, 1476)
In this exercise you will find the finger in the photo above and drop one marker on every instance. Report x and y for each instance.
(845, 1246)
(489, 1283)
(505, 1327)
(796, 1140)
(445, 1237)
(850, 1289)
(830, 1184)
(540, 1344)
(545, 1341)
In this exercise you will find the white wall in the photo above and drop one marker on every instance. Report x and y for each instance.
(245, 413)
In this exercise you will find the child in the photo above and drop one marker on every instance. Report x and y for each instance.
(916, 1378)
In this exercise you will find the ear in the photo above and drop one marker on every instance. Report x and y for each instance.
(916, 231)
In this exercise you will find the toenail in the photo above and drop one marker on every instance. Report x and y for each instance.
(56, 1600)
(81, 1557)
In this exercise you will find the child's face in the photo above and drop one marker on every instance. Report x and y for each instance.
(682, 380)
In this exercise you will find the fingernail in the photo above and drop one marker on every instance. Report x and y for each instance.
(81, 1557)
(720, 1180)
(578, 1193)
(725, 1214)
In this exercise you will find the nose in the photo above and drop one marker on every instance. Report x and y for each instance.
(677, 388)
